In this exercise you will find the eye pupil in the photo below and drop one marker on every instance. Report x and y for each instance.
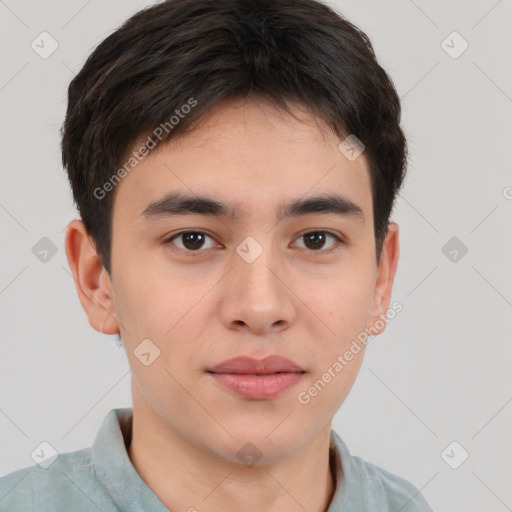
(194, 239)
(317, 238)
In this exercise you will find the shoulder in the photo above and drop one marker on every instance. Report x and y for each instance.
(69, 480)
(372, 488)
(380, 486)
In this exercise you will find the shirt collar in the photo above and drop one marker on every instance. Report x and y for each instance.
(110, 461)
(348, 494)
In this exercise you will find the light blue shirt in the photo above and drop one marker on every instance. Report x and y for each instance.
(102, 478)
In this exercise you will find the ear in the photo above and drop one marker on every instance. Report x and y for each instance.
(386, 271)
(92, 281)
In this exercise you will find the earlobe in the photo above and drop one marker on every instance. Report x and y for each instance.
(91, 279)
(385, 277)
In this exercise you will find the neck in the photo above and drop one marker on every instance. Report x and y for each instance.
(187, 478)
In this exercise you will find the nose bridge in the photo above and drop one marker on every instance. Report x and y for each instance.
(256, 260)
(257, 298)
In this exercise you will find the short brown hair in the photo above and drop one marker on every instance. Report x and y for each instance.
(212, 51)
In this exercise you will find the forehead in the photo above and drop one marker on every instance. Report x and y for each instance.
(252, 155)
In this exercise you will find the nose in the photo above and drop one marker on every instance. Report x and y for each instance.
(257, 298)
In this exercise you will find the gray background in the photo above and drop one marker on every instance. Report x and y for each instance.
(441, 370)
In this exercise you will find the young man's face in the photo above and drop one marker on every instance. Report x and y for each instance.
(203, 301)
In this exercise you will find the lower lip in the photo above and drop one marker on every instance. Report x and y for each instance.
(258, 387)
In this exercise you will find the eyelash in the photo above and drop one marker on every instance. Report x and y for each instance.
(335, 247)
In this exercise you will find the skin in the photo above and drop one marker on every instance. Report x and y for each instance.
(304, 304)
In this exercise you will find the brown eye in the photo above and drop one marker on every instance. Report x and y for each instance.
(191, 240)
(315, 240)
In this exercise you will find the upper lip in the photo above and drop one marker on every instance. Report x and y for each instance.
(249, 365)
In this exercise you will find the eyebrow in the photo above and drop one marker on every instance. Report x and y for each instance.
(176, 203)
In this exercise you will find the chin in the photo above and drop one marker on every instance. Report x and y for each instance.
(258, 442)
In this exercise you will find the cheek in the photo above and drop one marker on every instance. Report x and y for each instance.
(145, 297)
(147, 307)
(169, 312)
(344, 306)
